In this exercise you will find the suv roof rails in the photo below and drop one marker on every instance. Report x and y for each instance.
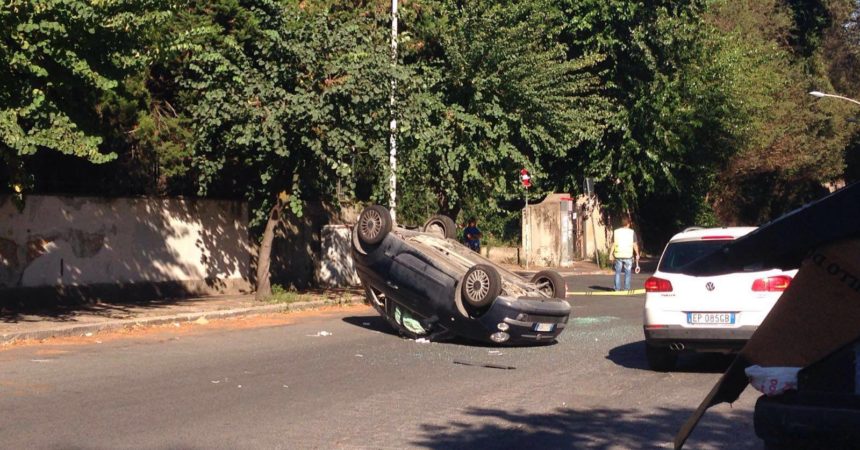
(692, 229)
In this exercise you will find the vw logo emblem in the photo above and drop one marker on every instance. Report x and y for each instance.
(709, 286)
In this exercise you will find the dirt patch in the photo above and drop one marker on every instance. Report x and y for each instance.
(52, 346)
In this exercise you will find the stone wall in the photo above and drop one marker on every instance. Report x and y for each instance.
(126, 247)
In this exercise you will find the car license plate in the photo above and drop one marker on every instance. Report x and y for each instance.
(544, 327)
(717, 318)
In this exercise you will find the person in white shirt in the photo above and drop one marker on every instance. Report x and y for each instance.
(625, 248)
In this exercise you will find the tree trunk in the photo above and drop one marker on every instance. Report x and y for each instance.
(264, 259)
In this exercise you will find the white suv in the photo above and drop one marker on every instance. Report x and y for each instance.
(684, 313)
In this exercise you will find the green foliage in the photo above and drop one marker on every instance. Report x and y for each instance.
(283, 295)
(787, 142)
(58, 59)
(284, 99)
(663, 105)
(492, 91)
(688, 112)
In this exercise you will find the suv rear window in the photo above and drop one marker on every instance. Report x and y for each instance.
(679, 254)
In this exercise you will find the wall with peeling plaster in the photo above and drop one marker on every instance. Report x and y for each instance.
(82, 241)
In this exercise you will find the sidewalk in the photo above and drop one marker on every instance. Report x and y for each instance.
(79, 320)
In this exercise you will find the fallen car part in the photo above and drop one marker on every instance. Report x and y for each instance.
(487, 365)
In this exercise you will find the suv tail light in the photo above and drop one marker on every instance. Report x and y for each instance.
(778, 283)
(655, 284)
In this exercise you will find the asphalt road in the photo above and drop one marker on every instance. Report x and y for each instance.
(292, 386)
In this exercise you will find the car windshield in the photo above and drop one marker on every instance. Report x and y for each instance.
(679, 254)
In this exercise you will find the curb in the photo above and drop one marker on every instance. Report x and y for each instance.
(79, 330)
(602, 293)
(565, 273)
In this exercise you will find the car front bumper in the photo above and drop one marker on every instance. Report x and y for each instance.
(526, 320)
(710, 339)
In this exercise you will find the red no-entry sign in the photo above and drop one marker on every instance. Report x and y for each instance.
(525, 178)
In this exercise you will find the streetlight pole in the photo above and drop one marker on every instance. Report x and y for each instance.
(822, 94)
(392, 157)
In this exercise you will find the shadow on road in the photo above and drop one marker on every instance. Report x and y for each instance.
(602, 428)
(377, 323)
(602, 288)
(373, 323)
(632, 356)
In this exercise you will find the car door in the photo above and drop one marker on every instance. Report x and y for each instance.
(420, 285)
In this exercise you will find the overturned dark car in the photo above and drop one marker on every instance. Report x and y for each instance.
(427, 285)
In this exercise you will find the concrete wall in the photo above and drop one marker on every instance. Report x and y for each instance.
(336, 268)
(508, 255)
(547, 233)
(561, 229)
(298, 253)
(592, 230)
(191, 246)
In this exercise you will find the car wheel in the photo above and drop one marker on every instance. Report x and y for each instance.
(481, 285)
(374, 223)
(550, 283)
(660, 359)
(441, 225)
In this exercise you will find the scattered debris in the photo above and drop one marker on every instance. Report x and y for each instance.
(487, 365)
(88, 334)
(422, 341)
(286, 386)
(359, 355)
(593, 320)
(41, 360)
(216, 381)
(202, 321)
(495, 352)
(321, 333)
(176, 324)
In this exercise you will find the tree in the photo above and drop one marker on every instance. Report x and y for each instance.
(58, 60)
(789, 143)
(286, 101)
(492, 91)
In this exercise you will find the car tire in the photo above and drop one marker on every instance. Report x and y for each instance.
(481, 285)
(660, 359)
(554, 284)
(441, 225)
(374, 223)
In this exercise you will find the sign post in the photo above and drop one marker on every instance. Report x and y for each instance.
(526, 179)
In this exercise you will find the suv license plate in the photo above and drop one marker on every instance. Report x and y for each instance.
(711, 318)
(544, 327)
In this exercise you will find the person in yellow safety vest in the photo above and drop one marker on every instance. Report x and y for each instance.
(625, 248)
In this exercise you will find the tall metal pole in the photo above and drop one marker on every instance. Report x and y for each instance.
(528, 228)
(392, 159)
